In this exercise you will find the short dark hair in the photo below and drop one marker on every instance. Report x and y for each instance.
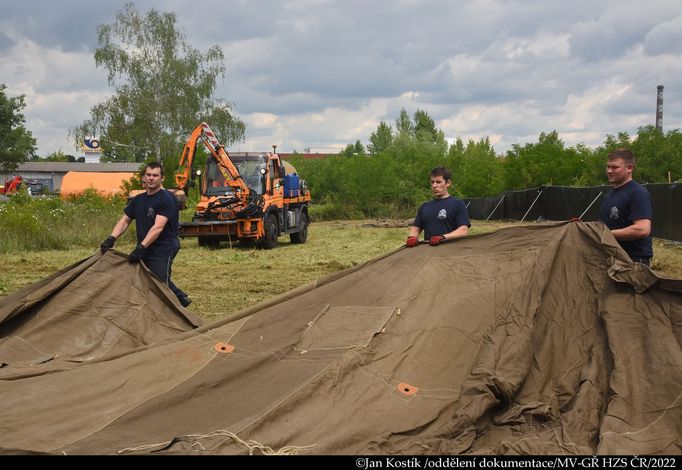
(153, 165)
(442, 171)
(626, 154)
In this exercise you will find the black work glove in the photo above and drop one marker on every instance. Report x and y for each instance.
(137, 254)
(107, 244)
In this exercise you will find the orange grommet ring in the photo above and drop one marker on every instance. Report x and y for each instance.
(224, 348)
(407, 389)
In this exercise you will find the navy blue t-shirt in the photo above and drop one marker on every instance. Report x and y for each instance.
(144, 209)
(621, 208)
(441, 216)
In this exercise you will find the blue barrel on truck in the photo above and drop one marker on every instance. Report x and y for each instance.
(291, 185)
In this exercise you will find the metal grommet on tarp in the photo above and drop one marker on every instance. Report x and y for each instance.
(224, 348)
(407, 389)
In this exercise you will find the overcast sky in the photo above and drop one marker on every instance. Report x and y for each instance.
(321, 74)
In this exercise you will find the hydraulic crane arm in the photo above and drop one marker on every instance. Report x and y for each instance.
(232, 177)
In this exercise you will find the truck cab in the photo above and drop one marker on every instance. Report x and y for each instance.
(253, 168)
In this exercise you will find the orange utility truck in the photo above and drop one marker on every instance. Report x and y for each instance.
(246, 197)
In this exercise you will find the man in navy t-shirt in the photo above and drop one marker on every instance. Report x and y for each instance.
(627, 209)
(442, 218)
(156, 217)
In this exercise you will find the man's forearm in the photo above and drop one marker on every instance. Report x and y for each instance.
(459, 232)
(120, 227)
(639, 229)
(152, 235)
(414, 231)
(629, 233)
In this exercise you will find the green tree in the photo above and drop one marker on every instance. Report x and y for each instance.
(348, 150)
(455, 158)
(657, 154)
(478, 172)
(354, 149)
(164, 89)
(674, 154)
(611, 142)
(60, 156)
(544, 162)
(425, 128)
(381, 139)
(593, 163)
(403, 124)
(17, 144)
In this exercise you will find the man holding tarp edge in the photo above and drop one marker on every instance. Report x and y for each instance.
(627, 209)
(442, 218)
(156, 221)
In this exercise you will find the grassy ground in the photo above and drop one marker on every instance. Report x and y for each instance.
(225, 280)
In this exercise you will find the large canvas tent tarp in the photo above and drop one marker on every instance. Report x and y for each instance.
(541, 339)
(98, 307)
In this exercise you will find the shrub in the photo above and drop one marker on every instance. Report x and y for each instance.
(50, 223)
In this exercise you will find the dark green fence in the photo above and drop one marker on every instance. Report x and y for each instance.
(564, 203)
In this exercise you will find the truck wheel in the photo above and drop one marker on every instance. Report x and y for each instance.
(302, 235)
(269, 241)
(208, 242)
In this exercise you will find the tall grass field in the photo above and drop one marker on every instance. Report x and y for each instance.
(50, 223)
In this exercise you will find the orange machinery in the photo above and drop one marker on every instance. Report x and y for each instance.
(12, 185)
(246, 197)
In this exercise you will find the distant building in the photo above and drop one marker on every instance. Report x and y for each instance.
(323, 150)
(50, 175)
(286, 156)
(312, 152)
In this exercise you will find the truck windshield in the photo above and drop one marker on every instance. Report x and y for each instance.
(248, 166)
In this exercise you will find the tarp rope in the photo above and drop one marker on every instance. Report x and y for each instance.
(253, 446)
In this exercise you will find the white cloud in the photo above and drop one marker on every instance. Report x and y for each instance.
(581, 111)
(57, 89)
(261, 120)
(546, 46)
(665, 38)
(321, 73)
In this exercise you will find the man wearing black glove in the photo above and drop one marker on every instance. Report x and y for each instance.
(137, 254)
(107, 244)
(442, 218)
(156, 217)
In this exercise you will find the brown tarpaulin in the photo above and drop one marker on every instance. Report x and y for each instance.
(540, 339)
(96, 308)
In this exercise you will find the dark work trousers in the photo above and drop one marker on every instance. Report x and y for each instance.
(161, 266)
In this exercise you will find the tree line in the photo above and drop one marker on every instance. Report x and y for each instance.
(390, 176)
